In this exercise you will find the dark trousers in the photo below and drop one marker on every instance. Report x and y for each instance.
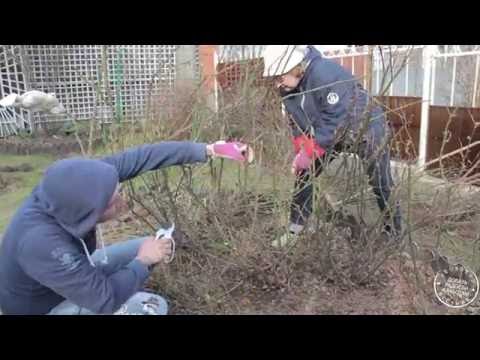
(376, 158)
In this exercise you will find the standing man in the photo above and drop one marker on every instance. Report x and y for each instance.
(329, 111)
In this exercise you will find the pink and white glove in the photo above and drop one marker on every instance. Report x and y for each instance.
(231, 150)
(301, 162)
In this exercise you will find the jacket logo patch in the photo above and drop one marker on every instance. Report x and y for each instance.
(332, 98)
(66, 259)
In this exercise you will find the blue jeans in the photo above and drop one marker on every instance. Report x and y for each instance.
(119, 255)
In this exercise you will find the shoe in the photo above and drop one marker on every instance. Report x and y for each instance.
(391, 231)
(392, 236)
(289, 238)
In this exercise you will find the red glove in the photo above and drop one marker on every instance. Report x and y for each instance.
(312, 149)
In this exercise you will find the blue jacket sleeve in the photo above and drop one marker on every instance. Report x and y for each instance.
(137, 160)
(66, 270)
(294, 117)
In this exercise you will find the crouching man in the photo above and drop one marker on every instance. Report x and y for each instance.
(48, 258)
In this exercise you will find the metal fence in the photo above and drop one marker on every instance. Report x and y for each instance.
(396, 70)
(453, 74)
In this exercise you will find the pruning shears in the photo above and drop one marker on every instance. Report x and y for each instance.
(167, 233)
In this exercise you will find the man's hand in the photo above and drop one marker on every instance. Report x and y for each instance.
(153, 251)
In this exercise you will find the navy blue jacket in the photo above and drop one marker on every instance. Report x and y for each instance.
(333, 99)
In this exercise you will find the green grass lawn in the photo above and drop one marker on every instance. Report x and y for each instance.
(23, 183)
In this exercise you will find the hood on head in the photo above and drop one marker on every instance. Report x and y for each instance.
(76, 192)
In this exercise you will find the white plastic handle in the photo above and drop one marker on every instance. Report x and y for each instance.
(167, 233)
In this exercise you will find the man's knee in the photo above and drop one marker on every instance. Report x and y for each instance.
(143, 303)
